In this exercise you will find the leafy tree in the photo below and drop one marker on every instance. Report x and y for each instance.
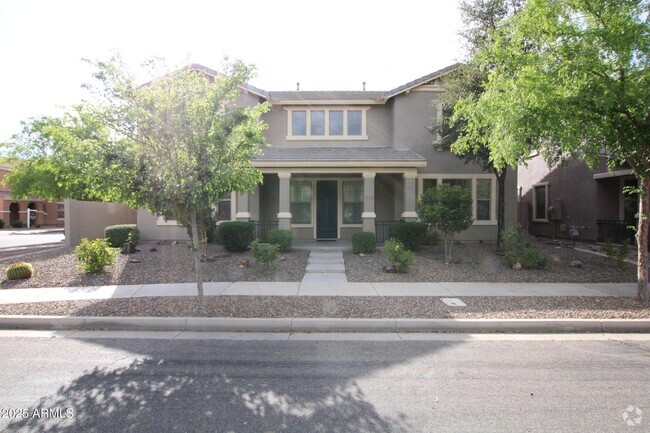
(71, 156)
(449, 208)
(480, 20)
(174, 146)
(571, 79)
(193, 144)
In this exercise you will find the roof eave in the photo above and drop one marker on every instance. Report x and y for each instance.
(339, 163)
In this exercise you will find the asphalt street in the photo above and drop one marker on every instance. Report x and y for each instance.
(10, 239)
(144, 385)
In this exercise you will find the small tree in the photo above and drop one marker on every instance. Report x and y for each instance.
(449, 208)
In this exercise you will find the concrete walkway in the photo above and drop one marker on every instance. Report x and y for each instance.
(446, 290)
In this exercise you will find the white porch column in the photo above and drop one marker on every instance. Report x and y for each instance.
(242, 207)
(368, 214)
(254, 201)
(409, 213)
(284, 216)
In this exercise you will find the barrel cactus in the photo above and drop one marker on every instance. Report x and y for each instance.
(19, 270)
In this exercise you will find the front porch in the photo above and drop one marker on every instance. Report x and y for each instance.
(330, 206)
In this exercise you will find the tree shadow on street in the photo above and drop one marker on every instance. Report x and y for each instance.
(189, 386)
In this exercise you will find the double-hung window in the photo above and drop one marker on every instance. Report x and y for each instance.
(540, 202)
(352, 201)
(300, 201)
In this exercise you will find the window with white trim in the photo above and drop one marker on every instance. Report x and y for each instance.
(540, 202)
(327, 123)
(60, 211)
(483, 199)
(352, 201)
(300, 201)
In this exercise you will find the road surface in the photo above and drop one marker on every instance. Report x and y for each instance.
(157, 385)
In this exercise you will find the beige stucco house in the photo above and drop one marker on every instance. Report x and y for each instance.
(341, 162)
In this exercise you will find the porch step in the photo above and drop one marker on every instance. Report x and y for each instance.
(325, 267)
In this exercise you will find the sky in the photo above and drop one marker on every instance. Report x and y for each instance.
(332, 45)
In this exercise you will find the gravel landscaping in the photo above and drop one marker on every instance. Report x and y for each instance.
(347, 307)
(167, 264)
(480, 263)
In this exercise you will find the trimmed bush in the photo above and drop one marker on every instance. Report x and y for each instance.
(264, 253)
(236, 235)
(19, 271)
(281, 238)
(363, 242)
(17, 224)
(118, 235)
(94, 256)
(398, 255)
(2, 224)
(412, 234)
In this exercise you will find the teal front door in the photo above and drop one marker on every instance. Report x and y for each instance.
(326, 200)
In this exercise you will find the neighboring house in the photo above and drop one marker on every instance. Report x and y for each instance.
(342, 162)
(46, 213)
(553, 201)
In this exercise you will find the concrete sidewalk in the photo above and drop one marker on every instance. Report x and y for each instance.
(445, 290)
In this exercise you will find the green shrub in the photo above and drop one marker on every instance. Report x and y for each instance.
(94, 256)
(17, 224)
(264, 253)
(20, 270)
(411, 234)
(515, 241)
(398, 255)
(118, 235)
(2, 224)
(363, 242)
(236, 235)
(281, 238)
(618, 255)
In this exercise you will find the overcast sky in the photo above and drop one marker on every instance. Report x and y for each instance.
(330, 45)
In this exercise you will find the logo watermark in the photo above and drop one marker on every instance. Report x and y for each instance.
(632, 415)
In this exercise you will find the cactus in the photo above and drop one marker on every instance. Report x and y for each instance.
(19, 270)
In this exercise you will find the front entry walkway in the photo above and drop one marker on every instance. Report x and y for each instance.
(325, 267)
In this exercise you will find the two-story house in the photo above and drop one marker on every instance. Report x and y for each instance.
(341, 162)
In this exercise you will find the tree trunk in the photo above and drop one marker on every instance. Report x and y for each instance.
(642, 241)
(198, 267)
(501, 207)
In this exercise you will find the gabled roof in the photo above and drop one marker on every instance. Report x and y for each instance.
(358, 96)
(419, 81)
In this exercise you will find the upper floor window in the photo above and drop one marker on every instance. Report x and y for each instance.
(327, 124)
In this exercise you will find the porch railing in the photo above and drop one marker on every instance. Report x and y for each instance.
(262, 229)
(614, 230)
(381, 230)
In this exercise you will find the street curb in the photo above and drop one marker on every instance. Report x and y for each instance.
(233, 324)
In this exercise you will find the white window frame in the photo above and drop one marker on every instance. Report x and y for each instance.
(340, 204)
(493, 196)
(313, 202)
(327, 136)
(57, 211)
(535, 186)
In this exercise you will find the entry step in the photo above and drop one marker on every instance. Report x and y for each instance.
(320, 260)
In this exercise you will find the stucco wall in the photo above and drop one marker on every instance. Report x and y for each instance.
(88, 219)
(574, 186)
(150, 229)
